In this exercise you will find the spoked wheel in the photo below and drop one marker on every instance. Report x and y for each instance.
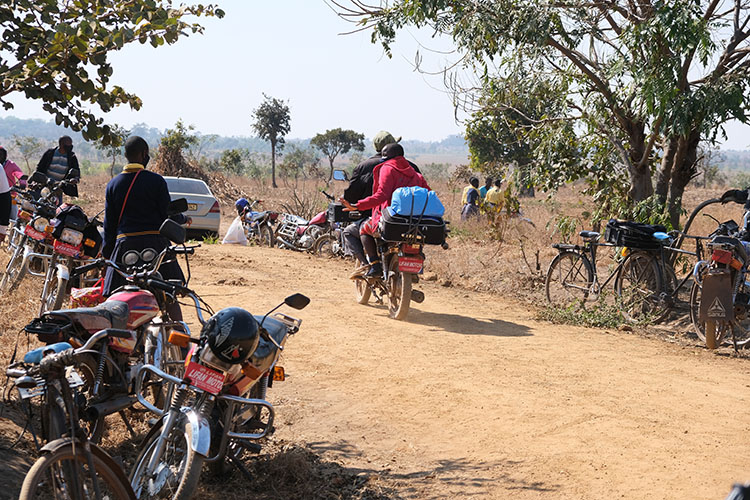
(15, 270)
(65, 475)
(170, 360)
(324, 246)
(568, 280)
(177, 471)
(54, 291)
(399, 291)
(639, 287)
(695, 306)
(362, 290)
(266, 235)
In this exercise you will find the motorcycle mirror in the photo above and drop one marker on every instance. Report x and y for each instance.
(177, 206)
(39, 178)
(340, 175)
(297, 301)
(173, 231)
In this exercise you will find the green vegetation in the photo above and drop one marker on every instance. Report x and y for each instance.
(272, 124)
(337, 141)
(599, 315)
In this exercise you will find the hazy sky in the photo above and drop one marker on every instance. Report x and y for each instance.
(289, 49)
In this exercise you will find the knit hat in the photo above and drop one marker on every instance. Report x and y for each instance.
(383, 138)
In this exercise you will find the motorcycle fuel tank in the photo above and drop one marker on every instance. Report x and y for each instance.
(141, 303)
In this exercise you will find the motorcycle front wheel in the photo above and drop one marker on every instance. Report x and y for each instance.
(361, 287)
(178, 470)
(323, 246)
(15, 270)
(399, 291)
(266, 236)
(53, 292)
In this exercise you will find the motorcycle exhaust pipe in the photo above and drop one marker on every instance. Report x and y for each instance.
(284, 242)
(95, 411)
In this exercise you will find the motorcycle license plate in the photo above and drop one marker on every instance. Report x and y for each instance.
(204, 378)
(66, 249)
(74, 380)
(33, 233)
(410, 264)
(192, 207)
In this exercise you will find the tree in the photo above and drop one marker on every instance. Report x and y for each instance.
(113, 147)
(29, 147)
(642, 82)
(337, 141)
(233, 160)
(299, 161)
(272, 124)
(49, 49)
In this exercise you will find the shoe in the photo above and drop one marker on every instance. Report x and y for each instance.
(359, 272)
(376, 270)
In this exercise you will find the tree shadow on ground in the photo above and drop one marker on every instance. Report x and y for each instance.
(461, 476)
(17, 450)
(467, 325)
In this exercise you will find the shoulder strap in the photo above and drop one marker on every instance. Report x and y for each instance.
(125, 201)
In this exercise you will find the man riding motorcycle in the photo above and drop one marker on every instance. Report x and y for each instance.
(393, 173)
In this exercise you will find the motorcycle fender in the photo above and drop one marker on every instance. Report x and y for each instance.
(716, 296)
(63, 272)
(200, 432)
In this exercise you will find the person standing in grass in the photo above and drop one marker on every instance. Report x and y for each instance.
(494, 196)
(61, 163)
(11, 175)
(470, 208)
(487, 185)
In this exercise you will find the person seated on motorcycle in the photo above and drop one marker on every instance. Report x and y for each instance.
(135, 207)
(61, 163)
(393, 173)
(360, 187)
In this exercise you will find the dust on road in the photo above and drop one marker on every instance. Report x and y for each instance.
(470, 397)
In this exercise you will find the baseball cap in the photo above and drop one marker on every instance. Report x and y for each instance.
(383, 138)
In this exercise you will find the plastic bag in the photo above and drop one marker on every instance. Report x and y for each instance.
(87, 297)
(235, 234)
(417, 201)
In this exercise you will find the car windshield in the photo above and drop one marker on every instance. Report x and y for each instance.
(187, 186)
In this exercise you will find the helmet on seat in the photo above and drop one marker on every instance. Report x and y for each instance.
(241, 205)
(232, 335)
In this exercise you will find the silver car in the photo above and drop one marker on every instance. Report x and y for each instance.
(203, 207)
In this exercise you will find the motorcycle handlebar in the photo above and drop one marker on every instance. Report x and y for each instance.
(97, 264)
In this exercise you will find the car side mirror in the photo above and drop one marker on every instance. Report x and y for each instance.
(340, 175)
(297, 301)
(173, 231)
(177, 206)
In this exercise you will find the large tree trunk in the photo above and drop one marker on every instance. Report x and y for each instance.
(640, 183)
(664, 175)
(684, 169)
(639, 169)
(330, 175)
(273, 164)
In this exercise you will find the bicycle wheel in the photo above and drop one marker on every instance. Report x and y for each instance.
(65, 475)
(569, 279)
(178, 469)
(639, 287)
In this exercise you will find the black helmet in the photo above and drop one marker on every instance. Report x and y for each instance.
(232, 334)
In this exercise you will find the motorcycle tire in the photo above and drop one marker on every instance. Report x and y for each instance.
(189, 462)
(54, 292)
(399, 291)
(266, 236)
(15, 270)
(362, 290)
(323, 246)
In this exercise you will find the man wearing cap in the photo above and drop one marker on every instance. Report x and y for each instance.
(360, 187)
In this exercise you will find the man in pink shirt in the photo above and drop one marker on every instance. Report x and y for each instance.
(393, 173)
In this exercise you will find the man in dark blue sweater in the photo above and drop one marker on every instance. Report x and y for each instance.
(136, 206)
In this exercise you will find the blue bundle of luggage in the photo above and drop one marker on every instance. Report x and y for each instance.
(414, 210)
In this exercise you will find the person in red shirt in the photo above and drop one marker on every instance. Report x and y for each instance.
(395, 172)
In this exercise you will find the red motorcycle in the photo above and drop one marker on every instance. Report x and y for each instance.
(298, 233)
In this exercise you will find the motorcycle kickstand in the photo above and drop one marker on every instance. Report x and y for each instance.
(127, 423)
(236, 462)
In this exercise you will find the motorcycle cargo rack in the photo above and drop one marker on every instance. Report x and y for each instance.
(414, 227)
(336, 213)
(633, 234)
(50, 329)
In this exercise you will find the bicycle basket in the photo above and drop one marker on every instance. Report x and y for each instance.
(633, 234)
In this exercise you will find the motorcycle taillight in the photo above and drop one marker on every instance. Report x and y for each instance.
(721, 256)
(410, 249)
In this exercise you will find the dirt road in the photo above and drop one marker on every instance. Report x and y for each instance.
(470, 397)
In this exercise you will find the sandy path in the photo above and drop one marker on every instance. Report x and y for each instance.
(472, 397)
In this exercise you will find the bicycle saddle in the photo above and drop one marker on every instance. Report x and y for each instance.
(589, 235)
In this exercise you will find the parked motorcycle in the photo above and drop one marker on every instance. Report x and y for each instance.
(720, 296)
(141, 308)
(299, 234)
(258, 226)
(218, 409)
(76, 239)
(331, 243)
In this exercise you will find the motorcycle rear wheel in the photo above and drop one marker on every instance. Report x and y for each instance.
(399, 291)
(323, 246)
(266, 237)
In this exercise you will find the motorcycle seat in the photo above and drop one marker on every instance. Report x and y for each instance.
(265, 353)
(738, 246)
(109, 314)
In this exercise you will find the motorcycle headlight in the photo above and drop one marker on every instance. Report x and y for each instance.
(71, 236)
(40, 224)
(148, 255)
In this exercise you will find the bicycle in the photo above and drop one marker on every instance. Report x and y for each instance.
(71, 467)
(573, 276)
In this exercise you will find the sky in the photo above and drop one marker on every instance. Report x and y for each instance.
(291, 50)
